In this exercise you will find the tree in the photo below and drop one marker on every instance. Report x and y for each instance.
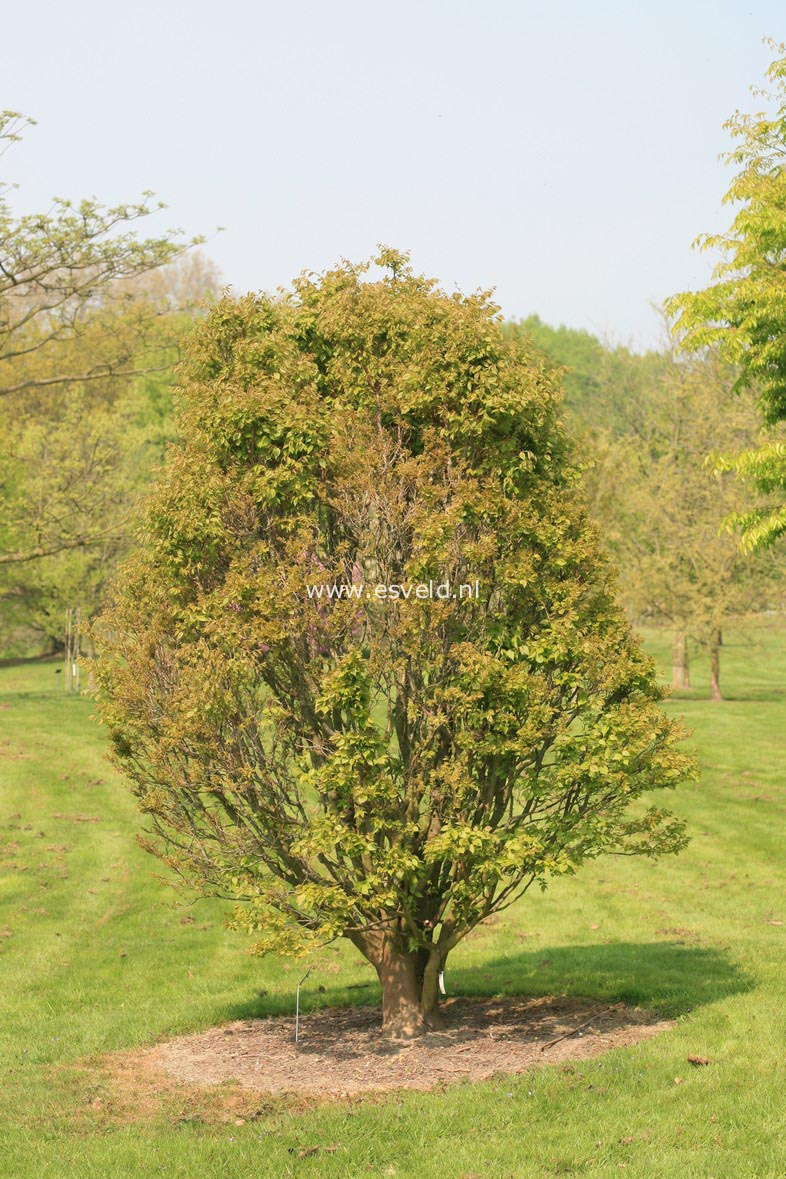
(388, 766)
(646, 424)
(74, 471)
(73, 461)
(742, 312)
(58, 268)
(664, 509)
(79, 307)
(607, 387)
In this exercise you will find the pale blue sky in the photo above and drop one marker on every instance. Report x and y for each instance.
(563, 153)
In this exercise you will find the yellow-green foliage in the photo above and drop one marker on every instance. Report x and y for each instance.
(743, 310)
(347, 766)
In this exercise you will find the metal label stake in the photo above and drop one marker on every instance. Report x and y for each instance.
(297, 1005)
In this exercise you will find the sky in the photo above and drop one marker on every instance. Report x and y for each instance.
(563, 154)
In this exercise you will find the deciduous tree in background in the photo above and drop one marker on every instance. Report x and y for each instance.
(85, 309)
(646, 426)
(64, 271)
(742, 313)
(663, 511)
(74, 458)
(388, 771)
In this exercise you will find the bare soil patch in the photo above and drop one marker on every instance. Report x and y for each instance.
(342, 1052)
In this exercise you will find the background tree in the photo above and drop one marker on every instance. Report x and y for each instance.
(390, 770)
(58, 268)
(646, 424)
(742, 312)
(78, 308)
(74, 459)
(664, 508)
(607, 386)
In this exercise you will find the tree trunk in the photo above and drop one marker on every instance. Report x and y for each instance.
(680, 668)
(715, 646)
(91, 669)
(410, 989)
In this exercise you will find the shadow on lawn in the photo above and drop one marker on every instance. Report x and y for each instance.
(670, 977)
(28, 660)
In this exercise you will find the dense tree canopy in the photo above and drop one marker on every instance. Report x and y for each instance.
(387, 768)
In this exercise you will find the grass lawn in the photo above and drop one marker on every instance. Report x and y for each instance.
(96, 955)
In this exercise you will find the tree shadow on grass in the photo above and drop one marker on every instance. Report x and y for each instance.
(670, 977)
(28, 660)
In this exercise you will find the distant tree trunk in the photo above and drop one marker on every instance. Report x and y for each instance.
(90, 650)
(680, 667)
(715, 646)
(410, 986)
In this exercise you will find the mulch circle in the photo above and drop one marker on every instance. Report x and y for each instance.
(341, 1051)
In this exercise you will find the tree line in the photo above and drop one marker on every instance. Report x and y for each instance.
(653, 430)
(87, 411)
